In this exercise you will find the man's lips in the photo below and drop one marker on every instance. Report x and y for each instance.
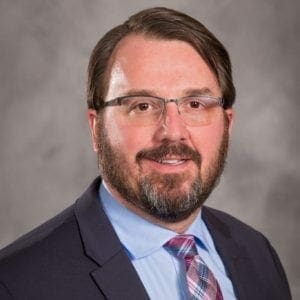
(172, 162)
(170, 154)
(166, 165)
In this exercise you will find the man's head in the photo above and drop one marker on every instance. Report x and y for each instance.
(162, 24)
(161, 157)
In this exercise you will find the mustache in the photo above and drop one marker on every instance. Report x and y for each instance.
(168, 149)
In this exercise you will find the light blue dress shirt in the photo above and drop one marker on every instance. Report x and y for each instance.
(162, 274)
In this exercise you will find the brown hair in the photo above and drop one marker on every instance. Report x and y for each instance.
(166, 24)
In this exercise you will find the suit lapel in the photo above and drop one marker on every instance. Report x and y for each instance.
(115, 276)
(118, 280)
(236, 259)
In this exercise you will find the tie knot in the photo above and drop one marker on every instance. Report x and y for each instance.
(182, 246)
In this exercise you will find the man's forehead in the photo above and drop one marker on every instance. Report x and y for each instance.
(140, 62)
(146, 46)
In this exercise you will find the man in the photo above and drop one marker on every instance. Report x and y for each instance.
(160, 98)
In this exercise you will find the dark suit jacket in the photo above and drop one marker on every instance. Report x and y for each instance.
(77, 255)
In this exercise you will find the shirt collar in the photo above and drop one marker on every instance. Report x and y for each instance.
(139, 236)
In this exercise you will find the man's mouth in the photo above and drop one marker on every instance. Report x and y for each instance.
(168, 164)
(170, 155)
(172, 162)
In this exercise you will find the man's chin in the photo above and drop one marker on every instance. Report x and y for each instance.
(172, 214)
(171, 183)
(172, 201)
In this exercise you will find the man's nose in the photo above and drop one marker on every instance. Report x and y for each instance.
(171, 126)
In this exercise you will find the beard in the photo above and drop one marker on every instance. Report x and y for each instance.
(161, 195)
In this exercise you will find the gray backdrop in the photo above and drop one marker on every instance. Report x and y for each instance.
(46, 156)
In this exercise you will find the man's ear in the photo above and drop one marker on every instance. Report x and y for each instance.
(92, 119)
(230, 116)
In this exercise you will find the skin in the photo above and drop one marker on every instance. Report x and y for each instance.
(168, 69)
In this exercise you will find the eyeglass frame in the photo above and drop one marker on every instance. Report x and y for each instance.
(119, 100)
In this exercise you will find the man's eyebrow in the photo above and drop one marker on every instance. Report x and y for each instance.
(184, 93)
(197, 92)
(137, 92)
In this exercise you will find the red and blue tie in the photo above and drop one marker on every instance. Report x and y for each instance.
(202, 283)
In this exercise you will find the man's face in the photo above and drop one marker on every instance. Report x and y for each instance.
(168, 169)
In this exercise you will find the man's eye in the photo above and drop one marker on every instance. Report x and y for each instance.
(143, 106)
(195, 104)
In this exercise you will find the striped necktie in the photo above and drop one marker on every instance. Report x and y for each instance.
(202, 284)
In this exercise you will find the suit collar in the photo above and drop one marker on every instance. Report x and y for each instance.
(100, 240)
(235, 256)
(115, 276)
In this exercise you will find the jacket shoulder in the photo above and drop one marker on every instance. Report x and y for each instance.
(38, 235)
(229, 224)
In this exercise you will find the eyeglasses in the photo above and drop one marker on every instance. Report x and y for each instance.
(142, 110)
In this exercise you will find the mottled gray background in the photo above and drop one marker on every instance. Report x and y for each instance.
(46, 157)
